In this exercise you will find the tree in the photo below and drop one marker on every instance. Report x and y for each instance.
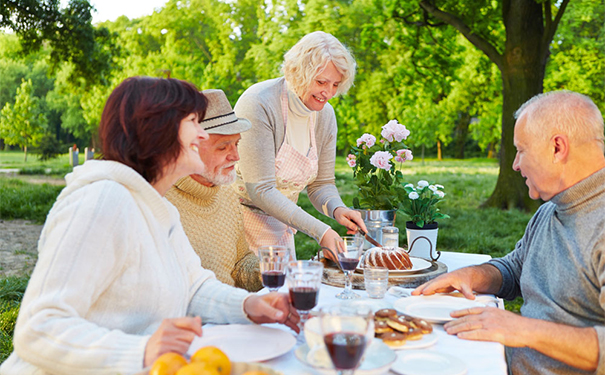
(518, 43)
(69, 32)
(22, 124)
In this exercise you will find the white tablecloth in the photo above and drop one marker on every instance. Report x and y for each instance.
(481, 358)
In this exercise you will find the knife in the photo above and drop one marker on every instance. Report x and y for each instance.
(367, 237)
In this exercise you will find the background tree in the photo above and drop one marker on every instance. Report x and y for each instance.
(22, 124)
(516, 36)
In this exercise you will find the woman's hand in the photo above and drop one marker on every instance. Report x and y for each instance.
(350, 219)
(329, 240)
(272, 308)
(173, 335)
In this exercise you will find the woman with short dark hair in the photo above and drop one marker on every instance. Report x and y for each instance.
(117, 282)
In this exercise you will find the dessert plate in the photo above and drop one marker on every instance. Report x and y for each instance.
(426, 341)
(377, 359)
(418, 264)
(422, 362)
(245, 343)
(434, 309)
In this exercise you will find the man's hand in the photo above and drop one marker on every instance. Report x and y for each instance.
(483, 278)
(173, 335)
(272, 308)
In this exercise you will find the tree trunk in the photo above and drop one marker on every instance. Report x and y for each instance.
(522, 72)
(439, 157)
(464, 120)
(25, 149)
(490, 151)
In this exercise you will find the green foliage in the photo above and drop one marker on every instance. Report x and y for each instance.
(49, 147)
(11, 293)
(420, 203)
(23, 123)
(21, 200)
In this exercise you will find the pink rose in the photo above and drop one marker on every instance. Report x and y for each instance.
(403, 155)
(352, 160)
(393, 129)
(381, 159)
(368, 139)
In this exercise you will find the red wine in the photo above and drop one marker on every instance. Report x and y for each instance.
(274, 279)
(348, 264)
(303, 298)
(345, 349)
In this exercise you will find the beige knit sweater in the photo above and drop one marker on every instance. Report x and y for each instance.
(212, 219)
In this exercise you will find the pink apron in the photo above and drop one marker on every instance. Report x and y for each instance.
(293, 172)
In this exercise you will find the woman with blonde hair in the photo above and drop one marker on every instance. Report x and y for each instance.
(292, 146)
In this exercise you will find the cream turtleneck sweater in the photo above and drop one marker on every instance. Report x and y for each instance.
(297, 130)
(212, 219)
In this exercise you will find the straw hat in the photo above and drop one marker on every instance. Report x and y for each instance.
(220, 118)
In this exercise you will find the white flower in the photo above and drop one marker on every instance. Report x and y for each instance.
(413, 195)
(433, 188)
(381, 159)
(422, 183)
(393, 129)
(408, 155)
(368, 139)
(352, 160)
(409, 186)
(439, 186)
(440, 194)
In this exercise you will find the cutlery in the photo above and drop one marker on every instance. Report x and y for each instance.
(367, 237)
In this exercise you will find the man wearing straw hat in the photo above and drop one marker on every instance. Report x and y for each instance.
(210, 212)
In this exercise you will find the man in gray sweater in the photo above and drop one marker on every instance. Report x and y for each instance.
(558, 267)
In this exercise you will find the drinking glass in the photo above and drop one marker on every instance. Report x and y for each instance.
(376, 280)
(273, 263)
(304, 280)
(349, 250)
(346, 332)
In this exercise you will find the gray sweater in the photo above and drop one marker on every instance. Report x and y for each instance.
(261, 104)
(558, 267)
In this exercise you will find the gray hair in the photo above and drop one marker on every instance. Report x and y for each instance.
(566, 112)
(309, 57)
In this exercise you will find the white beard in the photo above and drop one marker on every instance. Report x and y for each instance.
(219, 178)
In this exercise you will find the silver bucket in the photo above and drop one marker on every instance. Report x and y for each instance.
(375, 220)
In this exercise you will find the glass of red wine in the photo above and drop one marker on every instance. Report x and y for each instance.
(350, 249)
(304, 280)
(273, 263)
(346, 332)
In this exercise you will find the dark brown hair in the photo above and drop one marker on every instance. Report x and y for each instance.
(140, 122)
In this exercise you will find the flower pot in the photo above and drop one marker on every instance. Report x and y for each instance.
(375, 220)
(422, 242)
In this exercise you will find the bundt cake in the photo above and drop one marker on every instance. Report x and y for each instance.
(391, 258)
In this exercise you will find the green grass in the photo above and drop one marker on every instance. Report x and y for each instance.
(21, 200)
(467, 183)
(57, 166)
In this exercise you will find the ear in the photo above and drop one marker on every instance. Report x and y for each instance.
(560, 144)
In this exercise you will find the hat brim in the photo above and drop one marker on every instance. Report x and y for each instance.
(229, 126)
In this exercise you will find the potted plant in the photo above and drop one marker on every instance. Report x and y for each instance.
(420, 206)
(378, 180)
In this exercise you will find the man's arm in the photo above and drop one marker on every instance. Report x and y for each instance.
(575, 346)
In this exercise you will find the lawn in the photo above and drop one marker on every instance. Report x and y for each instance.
(57, 166)
(467, 184)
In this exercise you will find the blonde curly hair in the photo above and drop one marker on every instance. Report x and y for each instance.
(310, 56)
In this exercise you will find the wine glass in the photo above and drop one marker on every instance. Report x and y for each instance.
(273, 261)
(349, 250)
(346, 332)
(304, 280)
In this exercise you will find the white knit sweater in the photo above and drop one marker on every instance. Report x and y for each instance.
(113, 262)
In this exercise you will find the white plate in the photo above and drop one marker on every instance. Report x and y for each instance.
(377, 360)
(433, 309)
(423, 362)
(418, 264)
(245, 343)
(424, 342)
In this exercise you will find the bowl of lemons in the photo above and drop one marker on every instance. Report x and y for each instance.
(208, 360)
